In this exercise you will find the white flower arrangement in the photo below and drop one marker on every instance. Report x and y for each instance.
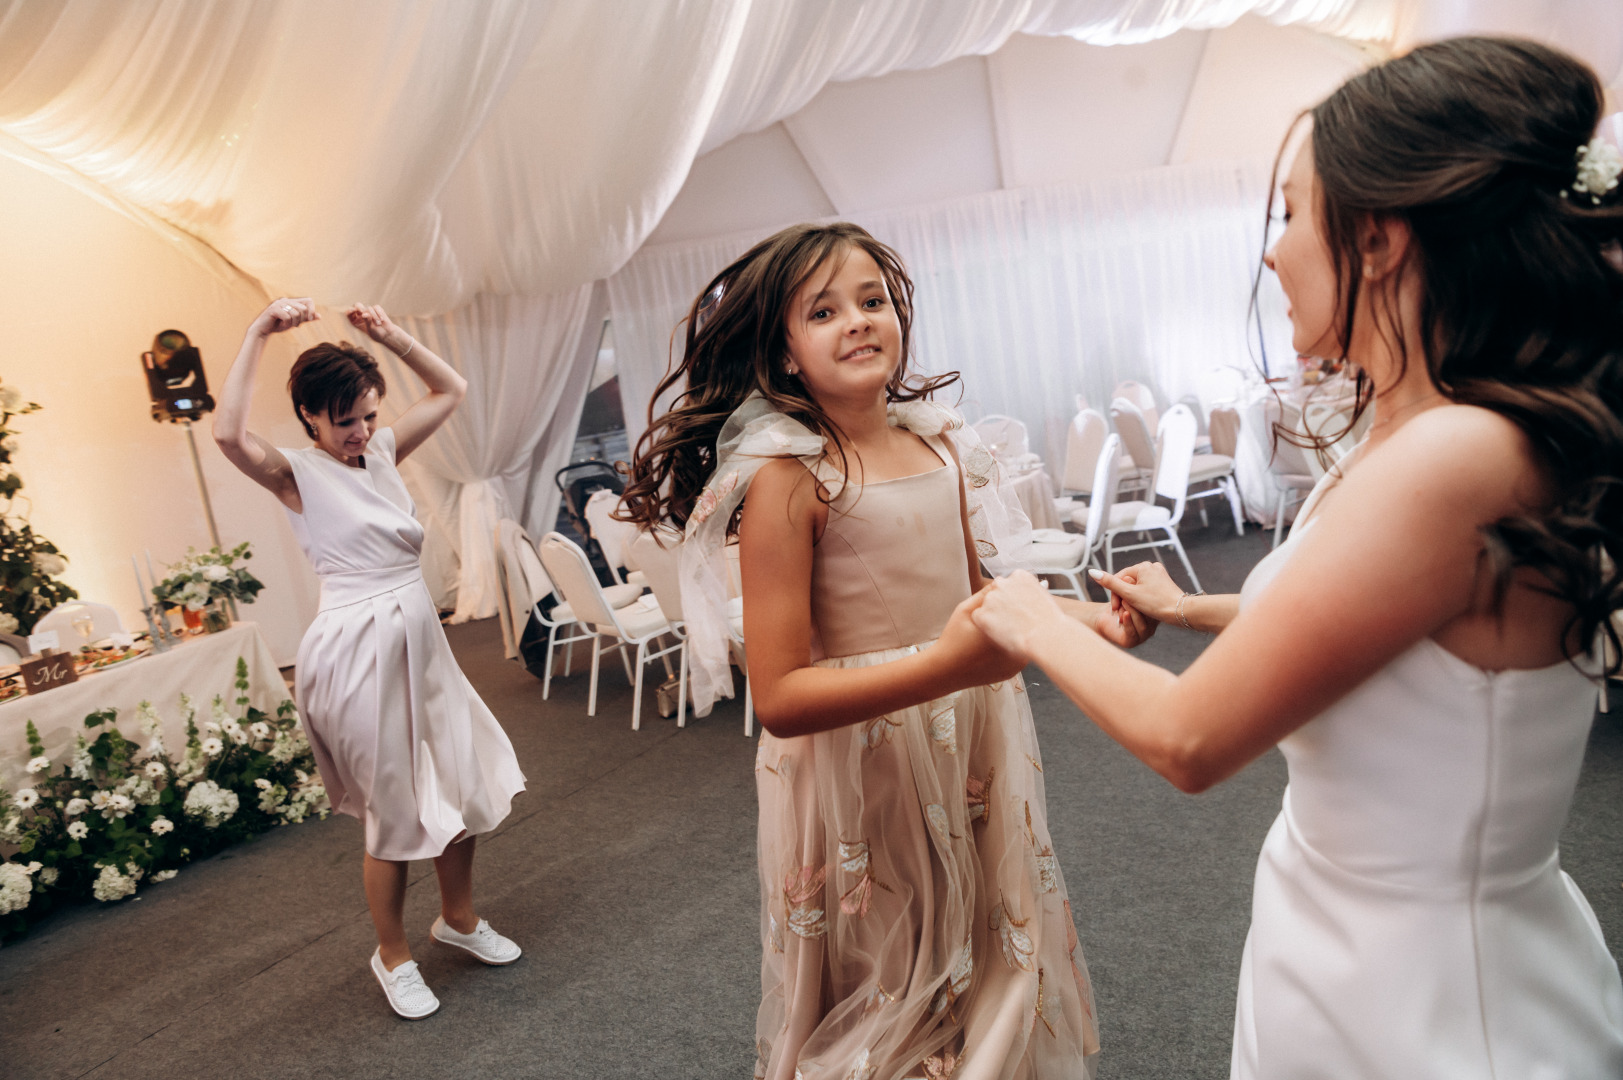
(202, 577)
(212, 747)
(38, 764)
(1599, 165)
(117, 817)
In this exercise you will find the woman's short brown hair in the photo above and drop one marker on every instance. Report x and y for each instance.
(329, 378)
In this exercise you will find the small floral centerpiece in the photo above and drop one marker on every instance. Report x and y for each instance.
(204, 577)
(29, 563)
(116, 814)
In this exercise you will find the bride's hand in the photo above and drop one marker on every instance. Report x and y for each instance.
(376, 324)
(1146, 588)
(1121, 624)
(1015, 612)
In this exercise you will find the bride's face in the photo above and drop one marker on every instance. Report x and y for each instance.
(346, 436)
(1301, 258)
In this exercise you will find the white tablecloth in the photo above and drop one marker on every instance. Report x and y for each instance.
(1036, 493)
(202, 667)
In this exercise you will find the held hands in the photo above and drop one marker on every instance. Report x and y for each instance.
(970, 655)
(376, 324)
(1015, 612)
(1146, 589)
(284, 314)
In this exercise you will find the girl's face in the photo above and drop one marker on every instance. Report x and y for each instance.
(346, 436)
(1301, 259)
(844, 337)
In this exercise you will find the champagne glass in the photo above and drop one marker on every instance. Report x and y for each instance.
(85, 624)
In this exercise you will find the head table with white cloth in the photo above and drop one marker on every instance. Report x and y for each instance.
(200, 667)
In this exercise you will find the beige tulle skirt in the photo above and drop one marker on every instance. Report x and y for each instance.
(914, 919)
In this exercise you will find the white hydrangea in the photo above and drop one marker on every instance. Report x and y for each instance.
(78, 830)
(8, 623)
(48, 876)
(49, 564)
(112, 885)
(38, 764)
(16, 886)
(270, 795)
(164, 875)
(211, 804)
(215, 572)
(284, 749)
(76, 807)
(162, 825)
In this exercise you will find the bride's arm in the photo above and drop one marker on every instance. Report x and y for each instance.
(1150, 591)
(1393, 559)
(782, 518)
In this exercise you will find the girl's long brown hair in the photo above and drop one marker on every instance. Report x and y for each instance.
(1473, 143)
(737, 343)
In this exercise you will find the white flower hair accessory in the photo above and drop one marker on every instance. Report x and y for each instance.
(1599, 165)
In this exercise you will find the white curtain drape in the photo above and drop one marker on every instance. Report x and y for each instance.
(1036, 296)
(495, 457)
(419, 153)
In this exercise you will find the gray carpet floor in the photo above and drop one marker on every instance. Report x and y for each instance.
(627, 872)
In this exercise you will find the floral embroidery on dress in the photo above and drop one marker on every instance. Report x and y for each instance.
(800, 888)
(1017, 946)
(855, 859)
(763, 1058)
(939, 821)
(1071, 943)
(877, 999)
(879, 731)
(860, 1068)
(944, 724)
(1047, 871)
(711, 496)
(979, 465)
(981, 534)
(938, 1066)
(774, 933)
(1035, 764)
(1041, 1003)
(958, 979)
(979, 794)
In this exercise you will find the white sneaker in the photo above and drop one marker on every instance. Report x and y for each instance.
(408, 994)
(483, 943)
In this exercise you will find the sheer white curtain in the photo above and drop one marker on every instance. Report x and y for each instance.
(1035, 295)
(496, 456)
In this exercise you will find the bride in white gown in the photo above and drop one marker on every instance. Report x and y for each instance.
(1419, 648)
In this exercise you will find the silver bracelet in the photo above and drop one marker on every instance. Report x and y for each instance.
(410, 347)
(1182, 618)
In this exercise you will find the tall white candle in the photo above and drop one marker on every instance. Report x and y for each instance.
(140, 586)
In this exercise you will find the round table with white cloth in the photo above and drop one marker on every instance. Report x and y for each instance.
(1036, 493)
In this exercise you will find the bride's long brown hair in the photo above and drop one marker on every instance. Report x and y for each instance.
(736, 344)
(1474, 143)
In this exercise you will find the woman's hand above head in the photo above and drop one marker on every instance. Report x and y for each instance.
(283, 313)
(375, 323)
(446, 388)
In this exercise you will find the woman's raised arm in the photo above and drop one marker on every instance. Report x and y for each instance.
(446, 388)
(258, 459)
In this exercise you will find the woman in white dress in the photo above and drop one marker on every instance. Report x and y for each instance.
(1420, 648)
(402, 740)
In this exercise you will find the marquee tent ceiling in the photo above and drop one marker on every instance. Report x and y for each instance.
(421, 153)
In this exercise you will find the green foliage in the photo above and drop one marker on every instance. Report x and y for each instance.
(115, 813)
(29, 563)
(205, 576)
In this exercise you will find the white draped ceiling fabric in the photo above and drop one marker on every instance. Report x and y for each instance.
(479, 166)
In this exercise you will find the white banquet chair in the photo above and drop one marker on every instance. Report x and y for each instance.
(1084, 439)
(612, 535)
(1177, 449)
(1292, 470)
(523, 589)
(1068, 555)
(1137, 468)
(636, 624)
(105, 622)
(1142, 397)
(1004, 436)
(1224, 426)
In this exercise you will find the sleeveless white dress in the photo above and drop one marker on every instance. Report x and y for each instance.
(1410, 915)
(402, 739)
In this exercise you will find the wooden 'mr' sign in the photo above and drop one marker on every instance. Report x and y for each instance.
(47, 671)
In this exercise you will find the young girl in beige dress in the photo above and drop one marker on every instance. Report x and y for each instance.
(914, 920)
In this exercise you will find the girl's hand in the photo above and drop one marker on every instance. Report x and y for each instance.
(1146, 589)
(376, 324)
(1015, 612)
(973, 658)
(1121, 625)
(284, 314)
